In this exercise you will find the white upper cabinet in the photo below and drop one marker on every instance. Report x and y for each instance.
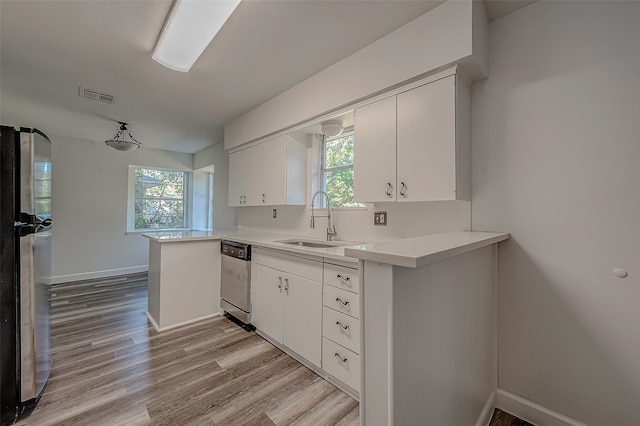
(374, 164)
(270, 173)
(415, 145)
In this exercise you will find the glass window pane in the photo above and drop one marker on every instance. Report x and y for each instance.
(339, 187)
(159, 199)
(338, 152)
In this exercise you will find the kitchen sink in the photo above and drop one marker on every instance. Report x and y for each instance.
(313, 244)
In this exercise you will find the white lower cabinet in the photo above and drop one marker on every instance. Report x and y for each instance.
(341, 324)
(312, 309)
(288, 307)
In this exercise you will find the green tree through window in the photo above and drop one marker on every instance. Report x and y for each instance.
(337, 170)
(159, 199)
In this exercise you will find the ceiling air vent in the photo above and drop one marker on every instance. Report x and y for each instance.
(97, 96)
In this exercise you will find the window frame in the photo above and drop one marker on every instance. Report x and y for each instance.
(187, 199)
(323, 170)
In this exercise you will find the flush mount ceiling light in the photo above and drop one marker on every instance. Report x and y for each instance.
(120, 142)
(189, 29)
(331, 128)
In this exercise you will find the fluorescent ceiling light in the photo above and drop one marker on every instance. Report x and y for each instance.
(189, 29)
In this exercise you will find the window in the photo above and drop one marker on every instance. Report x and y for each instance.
(336, 174)
(157, 198)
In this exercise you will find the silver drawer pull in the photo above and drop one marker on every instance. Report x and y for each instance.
(337, 355)
(345, 327)
(286, 285)
(344, 278)
(344, 303)
(280, 283)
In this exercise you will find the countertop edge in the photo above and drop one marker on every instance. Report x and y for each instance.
(247, 239)
(427, 249)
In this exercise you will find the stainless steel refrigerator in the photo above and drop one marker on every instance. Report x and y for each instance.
(25, 269)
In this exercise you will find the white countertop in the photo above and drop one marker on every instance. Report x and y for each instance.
(421, 251)
(408, 252)
(257, 238)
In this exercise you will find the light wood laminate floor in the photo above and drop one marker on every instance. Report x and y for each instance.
(110, 367)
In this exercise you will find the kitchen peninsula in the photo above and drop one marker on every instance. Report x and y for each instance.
(184, 270)
(427, 315)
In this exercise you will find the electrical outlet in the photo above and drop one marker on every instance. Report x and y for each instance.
(380, 218)
(274, 213)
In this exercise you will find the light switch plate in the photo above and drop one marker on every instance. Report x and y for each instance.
(380, 218)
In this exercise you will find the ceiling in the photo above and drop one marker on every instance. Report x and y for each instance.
(50, 48)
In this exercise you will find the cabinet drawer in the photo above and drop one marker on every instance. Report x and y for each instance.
(300, 266)
(341, 277)
(341, 300)
(341, 328)
(341, 363)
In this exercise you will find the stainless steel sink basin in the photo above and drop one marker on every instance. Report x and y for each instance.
(313, 244)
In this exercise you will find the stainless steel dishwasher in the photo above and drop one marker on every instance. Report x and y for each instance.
(235, 280)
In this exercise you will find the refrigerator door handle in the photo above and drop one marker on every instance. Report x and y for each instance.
(30, 224)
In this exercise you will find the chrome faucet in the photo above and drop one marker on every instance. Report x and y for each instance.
(331, 229)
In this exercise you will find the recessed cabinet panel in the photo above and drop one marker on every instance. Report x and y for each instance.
(374, 166)
(267, 301)
(342, 329)
(341, 363)
(302, 317)
(426, 150)
(341, 300)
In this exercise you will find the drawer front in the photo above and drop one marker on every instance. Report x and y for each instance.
(341, 300)
(341, 328)
(341, 277)
(300, 266)
(341, 363)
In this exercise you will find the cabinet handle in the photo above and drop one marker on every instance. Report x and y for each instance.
(345, 278)
(342, 301)
(286, 285)
(344, 327)
(403, 189)
(343, 360)
(241, 199)
(280, 283)
(389, 188)
(244, 199)
(263, 198)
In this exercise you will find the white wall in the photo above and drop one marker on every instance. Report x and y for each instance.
(224, 217)
(90, 208)
(556, 162)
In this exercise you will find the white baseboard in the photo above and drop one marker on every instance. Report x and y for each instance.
(487, 411)
(98, 274)
(532, 412)
(182, 324)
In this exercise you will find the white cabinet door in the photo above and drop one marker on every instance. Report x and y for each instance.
(273, 159)
(237, 178)
(374, 165)
(303, 318)
(426, 142)
(267, 304)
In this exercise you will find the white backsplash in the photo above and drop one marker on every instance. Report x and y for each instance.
(405, 220)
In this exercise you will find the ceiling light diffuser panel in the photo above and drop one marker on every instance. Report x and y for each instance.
(189, 29)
